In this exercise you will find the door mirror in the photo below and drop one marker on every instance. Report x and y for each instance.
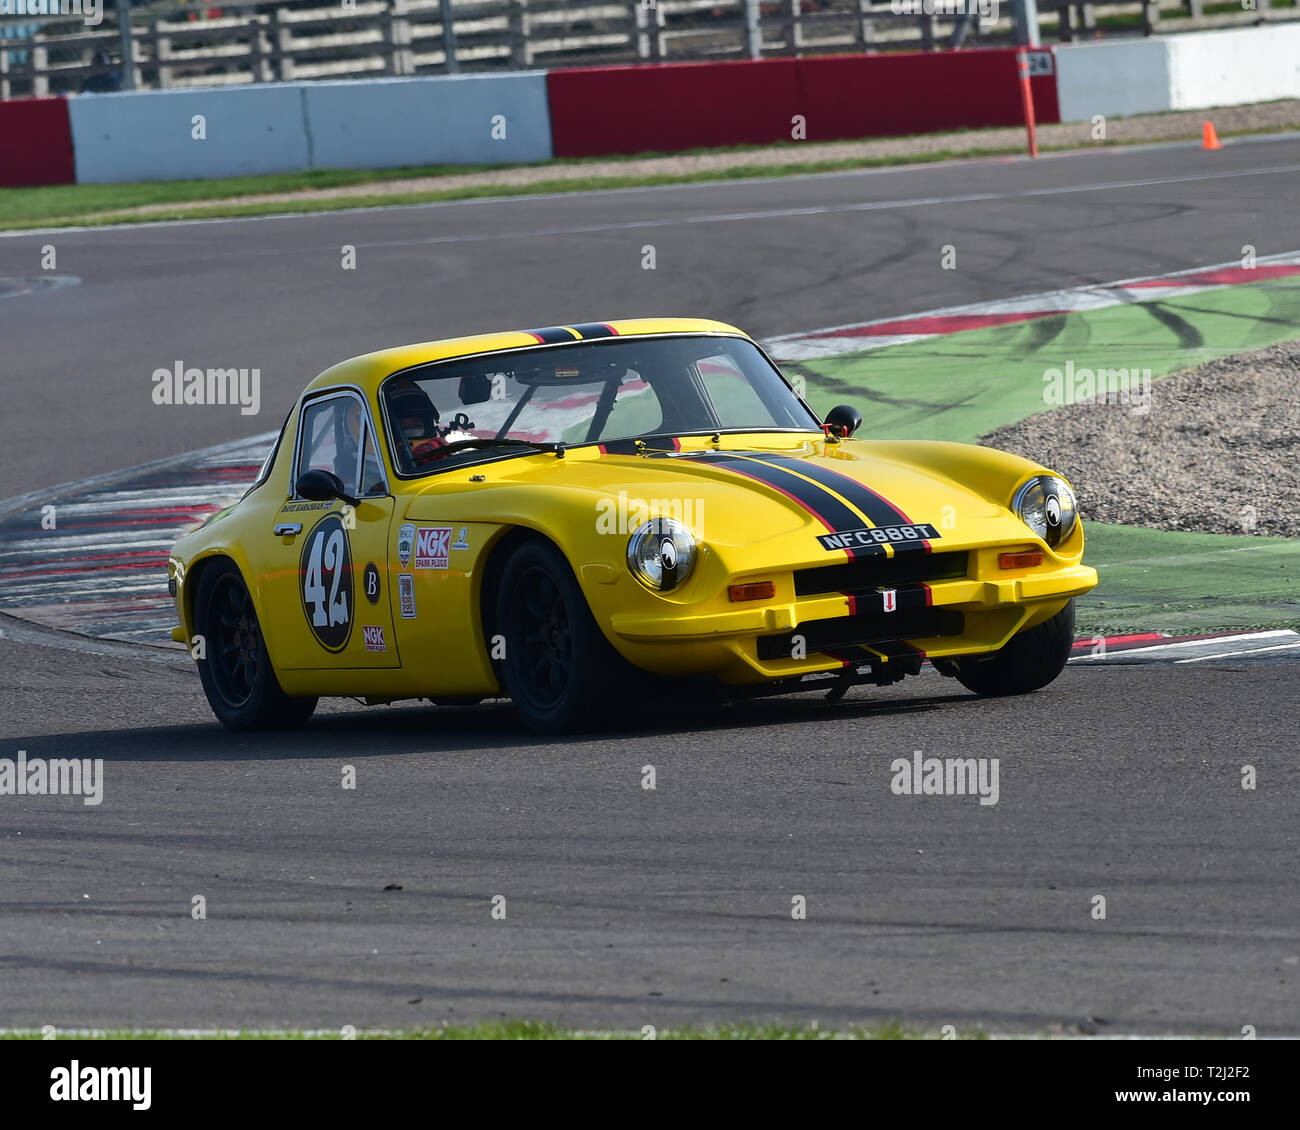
(843, 420)
(323, 486)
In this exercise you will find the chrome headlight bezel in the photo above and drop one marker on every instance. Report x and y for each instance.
(661, 554)
(1047, 505)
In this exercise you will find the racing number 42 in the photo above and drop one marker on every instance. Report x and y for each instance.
(325, 563)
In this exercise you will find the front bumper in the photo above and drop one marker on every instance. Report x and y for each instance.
(793, 634)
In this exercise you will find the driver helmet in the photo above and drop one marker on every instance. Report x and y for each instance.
(412, 411)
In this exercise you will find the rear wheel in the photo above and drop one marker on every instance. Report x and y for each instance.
(1027, 662)
(557, 667)
(234, 665)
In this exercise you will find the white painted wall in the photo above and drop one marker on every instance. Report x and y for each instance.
(1193, 71)
(1236, 67)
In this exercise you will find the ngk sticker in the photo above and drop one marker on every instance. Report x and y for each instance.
(432, 547)
(374, 637)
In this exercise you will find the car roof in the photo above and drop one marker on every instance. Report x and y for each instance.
(369, 369)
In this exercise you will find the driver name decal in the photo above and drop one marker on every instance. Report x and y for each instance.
(917, 532)
(325, 569)
(432, 547)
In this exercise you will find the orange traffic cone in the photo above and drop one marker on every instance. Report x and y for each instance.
(1209, 138)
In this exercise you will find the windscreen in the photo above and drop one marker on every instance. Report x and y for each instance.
(587, 392)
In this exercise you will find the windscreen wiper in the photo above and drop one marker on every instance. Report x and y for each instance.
(556, 449)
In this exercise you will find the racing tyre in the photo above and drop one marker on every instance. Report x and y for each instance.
(236, 668)
(1027, 662)
(558, 668)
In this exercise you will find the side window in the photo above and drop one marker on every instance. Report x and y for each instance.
(334, 431)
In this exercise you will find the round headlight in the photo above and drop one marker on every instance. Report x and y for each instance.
(1047, 506)
(662, 553)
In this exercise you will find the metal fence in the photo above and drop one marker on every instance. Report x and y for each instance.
(174, 45)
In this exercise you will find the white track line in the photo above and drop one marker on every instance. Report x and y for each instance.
(1243, 637)
(1234, 654)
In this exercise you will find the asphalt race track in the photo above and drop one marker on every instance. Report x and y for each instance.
(773, 256)
(626, 906)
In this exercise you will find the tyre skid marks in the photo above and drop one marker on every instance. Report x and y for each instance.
(838, 341)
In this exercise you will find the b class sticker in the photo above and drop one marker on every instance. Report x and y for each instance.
(326, 571)
(370, 581)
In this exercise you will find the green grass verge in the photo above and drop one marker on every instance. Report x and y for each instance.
(540, 1030)
(963, 385)
(66, 201)
(31, 211)
(100, 205)
(1184, 583)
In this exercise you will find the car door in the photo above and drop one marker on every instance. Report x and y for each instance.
(328, 568)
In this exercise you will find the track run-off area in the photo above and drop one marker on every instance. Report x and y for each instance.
(373, 906)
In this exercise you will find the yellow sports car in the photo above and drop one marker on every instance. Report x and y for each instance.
(570, 516)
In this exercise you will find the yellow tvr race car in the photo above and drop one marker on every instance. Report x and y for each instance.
(565, 516)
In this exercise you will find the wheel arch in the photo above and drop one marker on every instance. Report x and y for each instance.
(498, 553)
(193, 575)
(203, 564)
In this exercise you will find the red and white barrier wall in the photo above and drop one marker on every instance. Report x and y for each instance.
(516, 118)
(600, 111)
(35, 142)
(604, 111)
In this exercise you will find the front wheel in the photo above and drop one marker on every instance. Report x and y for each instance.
(1027, 662)
(234, 665)
(557, 667)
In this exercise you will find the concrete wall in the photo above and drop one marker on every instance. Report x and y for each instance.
(1232, 68)
(1113, 79)
(386, 123)
(286, 127)
(149, 135)
(1193, 71)
(459, 120)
